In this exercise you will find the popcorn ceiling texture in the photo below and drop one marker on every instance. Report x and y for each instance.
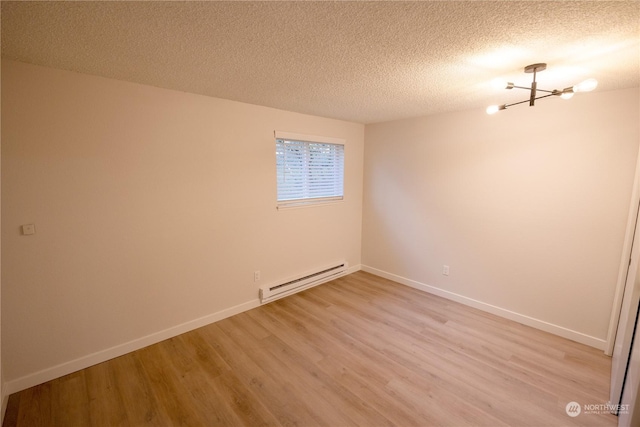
(358, 61)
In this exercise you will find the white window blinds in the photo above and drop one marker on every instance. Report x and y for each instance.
(308, 171)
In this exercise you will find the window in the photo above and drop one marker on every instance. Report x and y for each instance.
(310, 169)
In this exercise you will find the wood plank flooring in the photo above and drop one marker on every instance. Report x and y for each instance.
(357, 351)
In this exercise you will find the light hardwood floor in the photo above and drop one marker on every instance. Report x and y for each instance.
(358, 351)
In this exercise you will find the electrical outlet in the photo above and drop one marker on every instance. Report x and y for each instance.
(28, 229)
(445, 270)
(256, 276)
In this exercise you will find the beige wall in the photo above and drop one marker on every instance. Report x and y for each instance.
(3, 398)
(527, 207)
(152, 208)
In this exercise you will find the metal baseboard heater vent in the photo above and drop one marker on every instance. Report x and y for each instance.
(272, 292)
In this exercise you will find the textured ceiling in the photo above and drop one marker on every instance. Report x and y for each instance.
(359, 61)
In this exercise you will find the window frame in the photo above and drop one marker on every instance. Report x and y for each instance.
(309, 139)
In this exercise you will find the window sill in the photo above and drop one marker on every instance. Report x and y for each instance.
(307, 204)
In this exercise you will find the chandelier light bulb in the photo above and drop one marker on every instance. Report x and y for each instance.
(567, 93)
(492, 109)
(586, 86)
(501, 84)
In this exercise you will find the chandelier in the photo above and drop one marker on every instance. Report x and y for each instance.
(566, 93)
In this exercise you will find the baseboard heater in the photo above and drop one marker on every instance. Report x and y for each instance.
(273, 292)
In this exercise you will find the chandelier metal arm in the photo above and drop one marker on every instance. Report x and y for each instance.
(528, 100)
(537, 89)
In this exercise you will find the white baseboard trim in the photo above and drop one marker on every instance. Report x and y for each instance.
(83, 362)
(507, 314)
(353, 269)
(122, 349)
